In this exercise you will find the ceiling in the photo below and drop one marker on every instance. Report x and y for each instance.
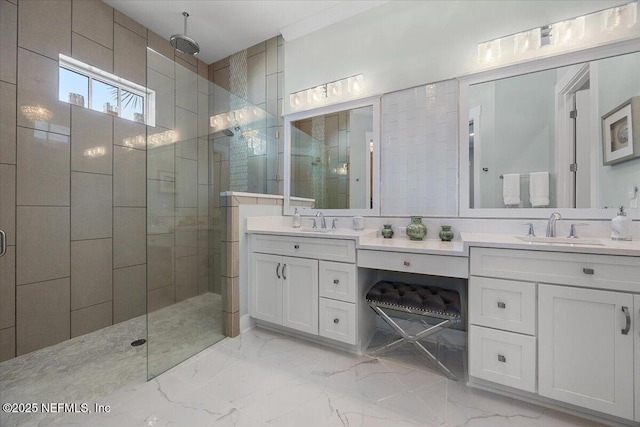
(224, 27)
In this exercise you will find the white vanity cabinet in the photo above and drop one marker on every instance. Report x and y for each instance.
(311, 285)
(287, 294)
(575, 316)
(586, 348)
(502, 342)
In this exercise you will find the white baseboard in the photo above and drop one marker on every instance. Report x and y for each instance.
(246, 323)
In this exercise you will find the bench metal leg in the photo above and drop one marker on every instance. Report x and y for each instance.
(414, 339)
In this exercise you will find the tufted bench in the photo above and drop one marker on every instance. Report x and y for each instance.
(427, 301)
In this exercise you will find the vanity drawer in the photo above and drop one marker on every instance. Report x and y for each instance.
(437, 265)
(503, 357)
(574, 269)
(503, 304)
(305, 247)
(338, 281)
(338, 320)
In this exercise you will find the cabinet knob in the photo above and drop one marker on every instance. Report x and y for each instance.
(336, 321)
(296, 246)
(336, 281)
(502, 359)
(407, 263)
(588, 271)
(501, 304)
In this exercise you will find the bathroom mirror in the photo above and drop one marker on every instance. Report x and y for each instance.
(540, 137)
(331, 159)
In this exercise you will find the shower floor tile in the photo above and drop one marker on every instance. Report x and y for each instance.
(98, 364)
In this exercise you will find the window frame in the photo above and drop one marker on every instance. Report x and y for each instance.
(94, 73)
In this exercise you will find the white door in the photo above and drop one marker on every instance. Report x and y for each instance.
(265, 287)
(300, 294)
(636, 337)
(585, 351)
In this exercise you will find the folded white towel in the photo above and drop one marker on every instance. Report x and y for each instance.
(539, 189)
(511, 189)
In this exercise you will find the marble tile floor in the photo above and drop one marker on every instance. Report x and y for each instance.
(103, 362)
(263, 378)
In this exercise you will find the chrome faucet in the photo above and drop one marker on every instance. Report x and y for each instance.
(551, 225)
(323, 222)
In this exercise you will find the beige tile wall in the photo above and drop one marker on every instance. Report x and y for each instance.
(75, 224)
(230, 269)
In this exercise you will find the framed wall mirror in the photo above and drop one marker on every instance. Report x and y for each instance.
(332, 158)
(544, 136)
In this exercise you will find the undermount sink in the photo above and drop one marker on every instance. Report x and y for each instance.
(560, 240)
(315, 230)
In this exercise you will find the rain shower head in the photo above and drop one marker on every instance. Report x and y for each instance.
(183, 43)
(227, 132)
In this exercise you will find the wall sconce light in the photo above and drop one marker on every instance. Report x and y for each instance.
(604, 26)
(327, 92)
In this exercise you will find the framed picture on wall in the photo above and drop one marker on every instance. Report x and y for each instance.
(621, 132)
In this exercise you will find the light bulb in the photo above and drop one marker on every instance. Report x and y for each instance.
(355, 84)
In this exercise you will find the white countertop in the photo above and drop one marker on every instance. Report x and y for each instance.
(506, 241)
(340, 233)
(370, 239)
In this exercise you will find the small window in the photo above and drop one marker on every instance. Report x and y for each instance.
(87, 86)
(132, 106)
(104, 97)
(74, 88)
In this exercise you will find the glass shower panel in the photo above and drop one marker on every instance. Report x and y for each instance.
(184, 314)
(205, 141)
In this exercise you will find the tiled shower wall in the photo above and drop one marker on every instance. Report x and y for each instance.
(75, 225)
(263, 87)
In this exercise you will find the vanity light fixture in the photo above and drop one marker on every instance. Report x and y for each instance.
(36, 113)
(568, 31)
(489, 51)
(328, 92)
(95, 152)
(620, 17)
(607, 25)
(334, 89)
(163, 138)
(527, 40)
(236, 118)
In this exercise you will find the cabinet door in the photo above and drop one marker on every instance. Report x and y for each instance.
(636, 337)
(584, 357)
(265, 287)
(300, 294)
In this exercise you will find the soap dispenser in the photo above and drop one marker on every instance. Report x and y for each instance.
(621, 226)
(295, 223)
